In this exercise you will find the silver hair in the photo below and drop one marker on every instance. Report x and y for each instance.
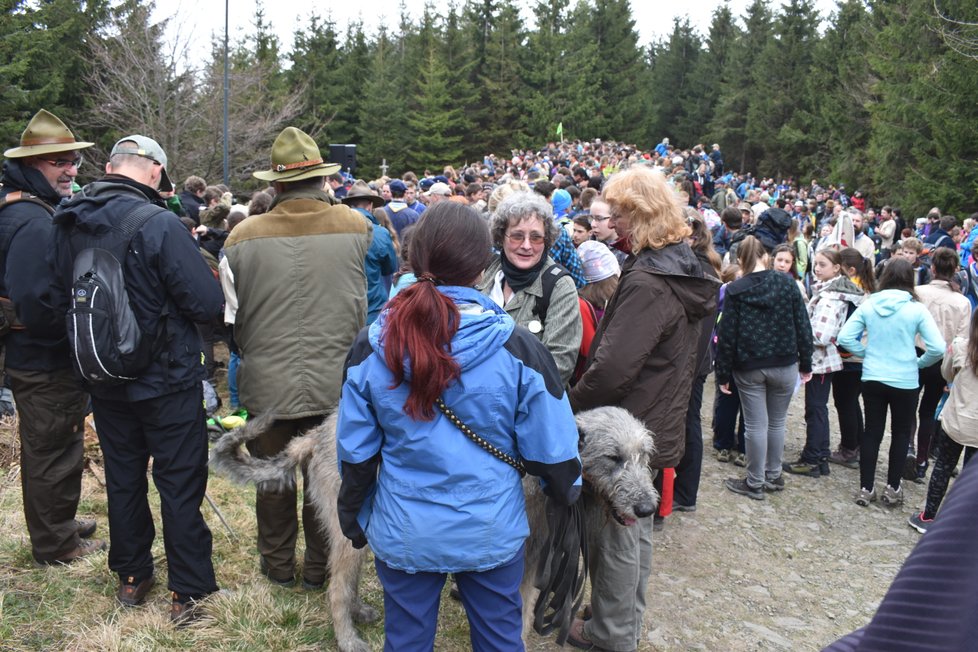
(519, 206)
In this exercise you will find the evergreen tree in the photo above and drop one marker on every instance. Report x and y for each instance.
(500, 118)
(832, 126)
(44, 62)
(315, 60)
(355, 65)
(729, 124)
(545, 69)
(778, 87)
(382, 131)
(712, 72)
(435, 123)
(672, 88)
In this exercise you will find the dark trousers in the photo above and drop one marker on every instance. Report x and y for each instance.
(932, 386)
(278, 524)
(51, 407)
(171, 429)
(728, 430)
(847, 385)
(948, 453)
(901, 404)
(687, 483)
(817, 418)
(491, 599)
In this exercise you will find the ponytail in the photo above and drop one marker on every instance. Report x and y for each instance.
(420, 326)
(450, 246)
(864, 268)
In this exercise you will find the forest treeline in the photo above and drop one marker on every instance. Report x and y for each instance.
(880, 95)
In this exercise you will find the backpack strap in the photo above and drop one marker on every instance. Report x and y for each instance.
(549, 277)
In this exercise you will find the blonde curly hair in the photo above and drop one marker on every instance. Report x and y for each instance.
(654, 212)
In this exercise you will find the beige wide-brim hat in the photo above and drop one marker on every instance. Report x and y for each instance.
(360, 190)
(45, 134)
(295, 156)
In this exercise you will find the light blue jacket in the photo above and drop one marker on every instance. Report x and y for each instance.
(891, 319)
(440, 503)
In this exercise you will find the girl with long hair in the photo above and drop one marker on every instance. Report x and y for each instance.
(765, 344)
(833, 295)
(891, 318)
(425, 498)
(958, 424)
(847, 385)
(783, 259)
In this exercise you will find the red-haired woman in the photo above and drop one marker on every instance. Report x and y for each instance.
(425, 498)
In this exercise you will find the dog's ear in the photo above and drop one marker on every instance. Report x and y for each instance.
(648, 444)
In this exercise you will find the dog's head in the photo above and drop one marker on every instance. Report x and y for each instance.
(615, 449)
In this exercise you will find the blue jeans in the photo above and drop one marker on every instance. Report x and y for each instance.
(817, 392)
(726, 432)
(233, 363)
(491, 599)
(765, 395)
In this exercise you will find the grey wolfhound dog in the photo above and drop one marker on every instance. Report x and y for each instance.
(615, 449)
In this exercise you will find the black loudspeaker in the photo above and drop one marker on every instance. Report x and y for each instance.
(345, 155)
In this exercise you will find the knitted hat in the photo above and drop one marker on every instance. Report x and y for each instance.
(561, 201)
(599, 263)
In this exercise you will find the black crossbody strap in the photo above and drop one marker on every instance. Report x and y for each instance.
(479, 441)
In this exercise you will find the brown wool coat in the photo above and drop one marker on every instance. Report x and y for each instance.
(644, 353)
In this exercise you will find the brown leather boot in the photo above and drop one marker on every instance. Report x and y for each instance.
(84, 548)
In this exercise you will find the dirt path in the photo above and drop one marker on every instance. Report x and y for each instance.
(793, 572)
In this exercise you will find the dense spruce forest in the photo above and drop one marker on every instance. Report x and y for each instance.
(880, 95)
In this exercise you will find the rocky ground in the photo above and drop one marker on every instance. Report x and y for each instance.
(793, 572)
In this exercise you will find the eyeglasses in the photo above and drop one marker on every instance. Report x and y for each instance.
(517, 238)
(599, 218)
(64, 163)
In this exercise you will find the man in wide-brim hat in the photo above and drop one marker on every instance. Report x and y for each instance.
(382, 256)
(297, 276)
(51, 404)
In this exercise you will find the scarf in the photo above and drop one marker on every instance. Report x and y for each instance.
(518, 279)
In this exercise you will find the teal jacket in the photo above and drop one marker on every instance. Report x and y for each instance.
(891, 319)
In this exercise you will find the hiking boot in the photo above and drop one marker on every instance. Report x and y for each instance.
(865, 496)
(85, 547)
(724, 455)
(741, 459)
(892, 497)
(801, 467)
(309, 585)
(184, 611)
(823, 467)
(921, 473)
(910, 466)
(919, 523)
(677, 507)
(658, 523)
(85, 527)
(740, 486)
(132, 593)
(845, 457)
(776, 484)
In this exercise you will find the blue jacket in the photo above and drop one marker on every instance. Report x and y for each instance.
(381, 261)
(164, 273)
(891, 319)
(438, 502)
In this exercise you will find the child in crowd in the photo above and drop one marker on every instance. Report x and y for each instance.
(958, 425)
(835, 296)
(784, 261)
(891, 318)
(728, 419)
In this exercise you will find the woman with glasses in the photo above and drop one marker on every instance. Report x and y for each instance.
(523, 230)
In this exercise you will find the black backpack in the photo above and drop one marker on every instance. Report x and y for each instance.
(107, 343)
(8, 313)
(549, 278)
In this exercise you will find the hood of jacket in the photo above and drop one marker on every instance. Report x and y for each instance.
(888, 302)
(27, 179)
(759, 289)
(841, 288)
(776, 216)
(678, 266)
(483, 328)
(84, 209)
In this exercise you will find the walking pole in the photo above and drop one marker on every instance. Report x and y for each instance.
(220, 516)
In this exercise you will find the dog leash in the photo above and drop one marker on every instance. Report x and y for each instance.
(479, 441)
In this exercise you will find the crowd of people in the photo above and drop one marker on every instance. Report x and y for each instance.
(498, 299)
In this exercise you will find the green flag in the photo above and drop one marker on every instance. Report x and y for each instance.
(560, 128)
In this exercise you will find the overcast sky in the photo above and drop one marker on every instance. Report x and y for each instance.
(200, 19)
